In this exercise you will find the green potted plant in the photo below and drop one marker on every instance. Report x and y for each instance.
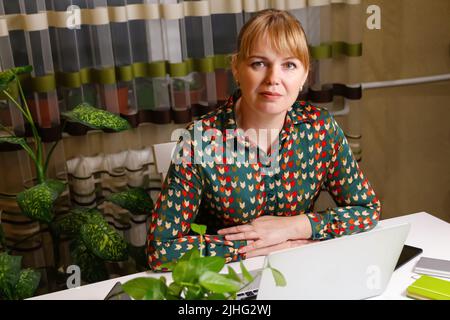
(94, 240)
(191, 87)
(195, 277)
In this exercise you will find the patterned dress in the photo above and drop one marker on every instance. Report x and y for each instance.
(219, 178)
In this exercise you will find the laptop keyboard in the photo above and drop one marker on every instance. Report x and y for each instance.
(251, 291)
(247, 295)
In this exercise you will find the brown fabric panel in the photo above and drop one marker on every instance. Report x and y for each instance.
(406, 148)
(414, 40)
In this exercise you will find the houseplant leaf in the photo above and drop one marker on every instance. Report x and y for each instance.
(27, 284)
(198, 228)
(71, 223)
(37, 202)
(147, 288)
(12, 140)
(280, 281)
(214, 264)
(9, 272)
(6, 77)
(103, 240)
(245, 273)
(22, 69)
(233, 275)
(190, 255)
(218, 283)
(96, 118)
(135, 200)
(185, 271)
(92, 268)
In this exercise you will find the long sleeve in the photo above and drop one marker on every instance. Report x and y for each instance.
(359, 208)
(175, 210)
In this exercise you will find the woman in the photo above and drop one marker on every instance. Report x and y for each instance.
(291, 150)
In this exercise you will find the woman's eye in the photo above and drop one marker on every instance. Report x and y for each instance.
(290, 65)
(257, 64)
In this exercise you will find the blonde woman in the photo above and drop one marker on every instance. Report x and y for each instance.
(252, 169)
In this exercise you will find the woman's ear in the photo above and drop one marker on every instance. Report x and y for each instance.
(304, 78)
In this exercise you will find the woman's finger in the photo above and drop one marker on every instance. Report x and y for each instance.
(236, 229)
(250, 235)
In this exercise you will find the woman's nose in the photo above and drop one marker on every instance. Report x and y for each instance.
(273, 76)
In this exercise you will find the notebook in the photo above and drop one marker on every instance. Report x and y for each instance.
(429, 288)
(433, 267)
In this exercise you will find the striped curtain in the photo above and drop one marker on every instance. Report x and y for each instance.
(159, 64)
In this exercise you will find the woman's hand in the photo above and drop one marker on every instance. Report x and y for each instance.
(269, 231)
(265, 251)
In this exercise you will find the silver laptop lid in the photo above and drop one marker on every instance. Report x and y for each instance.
(350, 267)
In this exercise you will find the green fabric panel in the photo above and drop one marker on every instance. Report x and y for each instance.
(222, 61)
(156, 69)
(334, 49)
(104, 76)
(353, 49)
(69, 79)
(204, 64)
(124, 73)
(180, 69)
(86, 76)
(43, 84)
(321, 52)
(139, 69)
(190, 65)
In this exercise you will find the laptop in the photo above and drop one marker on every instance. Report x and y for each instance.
(357, 266)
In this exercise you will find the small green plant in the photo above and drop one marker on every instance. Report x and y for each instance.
(94, 241)
(195, 277)
(192, 83)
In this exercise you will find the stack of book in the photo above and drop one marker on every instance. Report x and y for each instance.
(428, 286)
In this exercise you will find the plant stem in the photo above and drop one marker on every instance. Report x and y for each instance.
(37, 139)
(49, 154)
(55, 240)
(5, 128)
(18, 106)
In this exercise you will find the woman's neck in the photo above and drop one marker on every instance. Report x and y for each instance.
(248, 119)
(266, 127)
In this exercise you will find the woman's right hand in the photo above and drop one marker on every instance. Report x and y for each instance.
(284, 245)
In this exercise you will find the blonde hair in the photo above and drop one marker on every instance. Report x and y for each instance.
(282, 30)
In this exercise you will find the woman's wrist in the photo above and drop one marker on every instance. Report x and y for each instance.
(302, 227)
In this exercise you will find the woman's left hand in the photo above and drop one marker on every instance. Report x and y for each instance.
(268, 231)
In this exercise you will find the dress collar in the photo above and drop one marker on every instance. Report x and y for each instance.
(298, 113)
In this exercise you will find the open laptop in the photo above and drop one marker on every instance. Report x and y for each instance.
(350, 267)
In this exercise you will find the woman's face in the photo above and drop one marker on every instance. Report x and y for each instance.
(270, 81)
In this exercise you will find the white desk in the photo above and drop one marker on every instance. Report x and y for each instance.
(427, 232)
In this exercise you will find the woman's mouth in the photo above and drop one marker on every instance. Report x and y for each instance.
(270, 95)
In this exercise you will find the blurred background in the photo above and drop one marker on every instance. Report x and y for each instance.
(381, 67)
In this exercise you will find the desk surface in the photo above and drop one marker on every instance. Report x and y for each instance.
(427, 232)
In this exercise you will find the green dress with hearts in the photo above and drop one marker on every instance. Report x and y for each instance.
(220, 179)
